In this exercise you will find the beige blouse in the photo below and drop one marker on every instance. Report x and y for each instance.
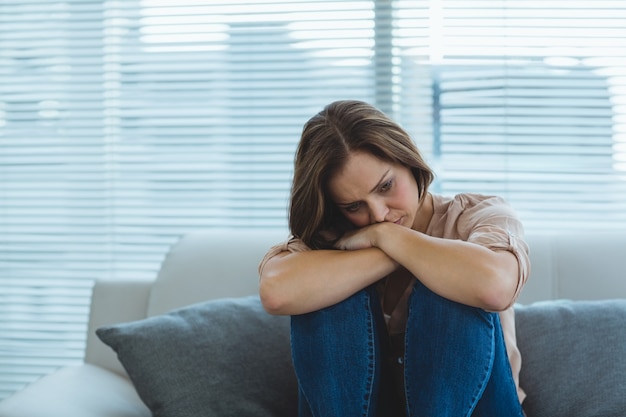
(485, 220)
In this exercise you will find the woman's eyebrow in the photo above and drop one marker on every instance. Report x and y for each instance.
(382, 178)
(380, 181)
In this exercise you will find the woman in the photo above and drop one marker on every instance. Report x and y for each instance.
(401, 300)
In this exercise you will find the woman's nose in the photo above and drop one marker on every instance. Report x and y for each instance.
(378, 213)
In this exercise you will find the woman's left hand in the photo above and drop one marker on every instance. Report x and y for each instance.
(357, 239)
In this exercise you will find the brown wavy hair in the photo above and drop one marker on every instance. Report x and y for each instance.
(328, 138)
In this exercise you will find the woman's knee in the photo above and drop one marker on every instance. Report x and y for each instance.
(353, 313)
(427, 306)
(337, 357)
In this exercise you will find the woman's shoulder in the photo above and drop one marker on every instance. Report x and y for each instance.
(457, 216)
(463, 202)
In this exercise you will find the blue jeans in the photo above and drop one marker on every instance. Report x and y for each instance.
(455, 362)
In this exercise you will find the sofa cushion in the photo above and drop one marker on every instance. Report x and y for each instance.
(573, 358)
(224, 357)
(76, 391)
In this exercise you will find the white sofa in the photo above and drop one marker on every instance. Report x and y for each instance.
(216, 264)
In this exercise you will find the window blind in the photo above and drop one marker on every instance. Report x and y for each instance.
(529, 104)
(53, 204)
(125, 124)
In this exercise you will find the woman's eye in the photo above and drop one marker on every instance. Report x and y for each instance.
(386, 186)
(352, 208)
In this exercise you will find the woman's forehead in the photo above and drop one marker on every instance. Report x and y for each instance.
(360, 175)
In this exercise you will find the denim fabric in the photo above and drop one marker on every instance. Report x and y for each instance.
(338, 353)
(455, 361)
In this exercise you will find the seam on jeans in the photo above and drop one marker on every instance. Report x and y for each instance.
(488, 369)
(370, 356)
(487, 372)
(407, 402)
(372, 362)
(308, 403)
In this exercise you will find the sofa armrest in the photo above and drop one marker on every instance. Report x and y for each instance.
(114, 301)
(76, 391)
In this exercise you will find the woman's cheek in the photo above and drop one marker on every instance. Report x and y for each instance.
(358, 220)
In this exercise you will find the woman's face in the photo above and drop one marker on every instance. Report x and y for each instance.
(369, 190)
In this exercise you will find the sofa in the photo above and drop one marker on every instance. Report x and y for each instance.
(195, 340)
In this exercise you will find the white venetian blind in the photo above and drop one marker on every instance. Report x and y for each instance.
(125, 124)
(54, 232)
(529, 102)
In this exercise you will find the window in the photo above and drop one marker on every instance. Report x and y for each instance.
(124, 124)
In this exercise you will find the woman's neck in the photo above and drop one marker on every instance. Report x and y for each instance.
(424, 214)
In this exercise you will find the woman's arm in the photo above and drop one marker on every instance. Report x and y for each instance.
(460, 271)
(301, 282)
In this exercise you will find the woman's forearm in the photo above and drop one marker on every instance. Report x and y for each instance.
(457, 270)
(301, 282)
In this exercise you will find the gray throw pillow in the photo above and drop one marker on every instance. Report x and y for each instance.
(225, 357)
(573, 358)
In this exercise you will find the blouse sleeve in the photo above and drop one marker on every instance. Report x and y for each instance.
(493, 223)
